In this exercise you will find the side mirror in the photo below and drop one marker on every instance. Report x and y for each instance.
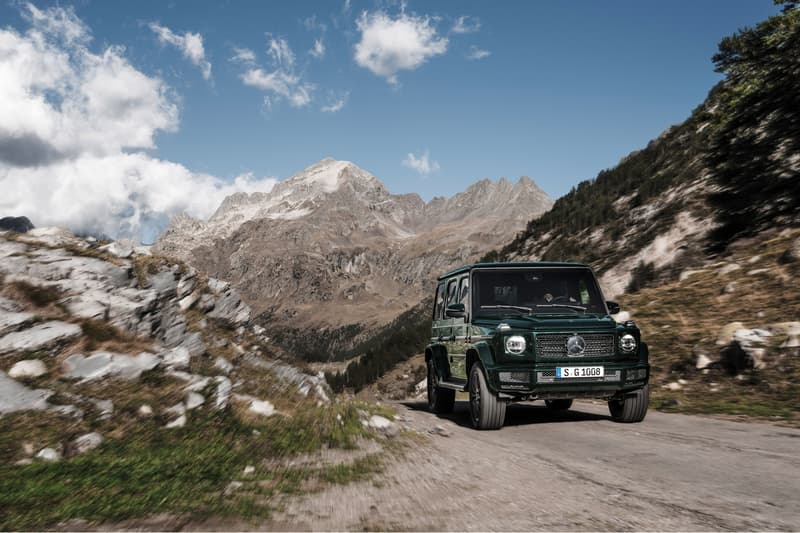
(613, 307)
(455, 311)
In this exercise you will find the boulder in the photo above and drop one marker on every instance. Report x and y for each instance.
(87, 442)
(15, 396)
(383, 425)
(102, 364)
(223, 393)
(16, 224)
(177, 357)
(29, 368)
(194, 400)
(727, 269)
(13, 321)
(39, 337)
(49, 455)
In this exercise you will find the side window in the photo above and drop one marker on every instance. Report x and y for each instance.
(463, 291)
(437, 309)
(451, 291)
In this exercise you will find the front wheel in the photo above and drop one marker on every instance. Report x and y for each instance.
(440, 401)
(632, 408)
(486, 410)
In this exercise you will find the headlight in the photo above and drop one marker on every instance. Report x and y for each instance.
(515, 344)
(627, 343)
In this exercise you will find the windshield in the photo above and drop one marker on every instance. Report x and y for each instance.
(535, 291)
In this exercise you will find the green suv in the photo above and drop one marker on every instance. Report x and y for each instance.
(507, 332)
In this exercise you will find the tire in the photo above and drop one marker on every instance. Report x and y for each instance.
(558, 405)
(486, 410)
(632, 408)
(440, 401)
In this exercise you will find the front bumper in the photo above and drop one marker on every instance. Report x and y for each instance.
(539, 381)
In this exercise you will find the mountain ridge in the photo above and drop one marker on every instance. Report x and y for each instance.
(331, 247)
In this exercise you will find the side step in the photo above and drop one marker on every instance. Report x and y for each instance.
(454, 384)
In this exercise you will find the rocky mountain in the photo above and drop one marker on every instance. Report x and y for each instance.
(332, 249)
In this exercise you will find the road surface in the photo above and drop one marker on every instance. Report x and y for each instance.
(572, 471)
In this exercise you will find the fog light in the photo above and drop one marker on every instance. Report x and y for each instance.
(627, 343)
(515, 344)
(514, 377)
(636, 375)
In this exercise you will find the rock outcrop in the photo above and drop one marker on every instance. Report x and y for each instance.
(82, 324)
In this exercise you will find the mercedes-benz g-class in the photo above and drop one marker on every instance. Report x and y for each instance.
(506, 332)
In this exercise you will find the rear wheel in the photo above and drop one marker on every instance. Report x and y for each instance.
(632, 408)
(439, 400)
(558, 405)
(486, 410)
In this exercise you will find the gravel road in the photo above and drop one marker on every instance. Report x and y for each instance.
(572, 471)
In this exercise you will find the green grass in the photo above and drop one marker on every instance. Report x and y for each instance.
(182, 472)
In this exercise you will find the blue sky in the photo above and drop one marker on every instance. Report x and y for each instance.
(553, 90)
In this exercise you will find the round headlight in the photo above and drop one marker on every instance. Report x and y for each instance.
(627, 343)
(515, 344)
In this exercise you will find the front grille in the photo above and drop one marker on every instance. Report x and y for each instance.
(555, 344)
(549, 376)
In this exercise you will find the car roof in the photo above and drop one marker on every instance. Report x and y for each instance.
(549, 264)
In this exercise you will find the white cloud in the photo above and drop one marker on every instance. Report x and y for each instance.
(281, 54)
(466, 24)
(421, 164)
(318, 50)
(336, 104)
(74, 125)
(280, 83)
(477, 53)
(190, 45)
(389, 45)
(243, 55)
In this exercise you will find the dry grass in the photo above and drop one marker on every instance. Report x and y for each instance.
(682, 317)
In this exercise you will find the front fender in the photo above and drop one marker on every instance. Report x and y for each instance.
(480, 351)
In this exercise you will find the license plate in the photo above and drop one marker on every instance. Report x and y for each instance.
(567, 372)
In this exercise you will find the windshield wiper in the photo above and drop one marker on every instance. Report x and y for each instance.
(515, 307)
(568, 306)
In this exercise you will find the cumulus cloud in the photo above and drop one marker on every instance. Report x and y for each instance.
(74, 127)
(318, 50)
(477, 53)
(421, 164)
(389, 45)
(280, 83)
(190, 45)
(466, 24)
(336, 104)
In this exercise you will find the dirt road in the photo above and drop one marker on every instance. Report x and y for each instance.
(573, 471)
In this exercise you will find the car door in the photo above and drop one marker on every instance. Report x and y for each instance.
(457, 345)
